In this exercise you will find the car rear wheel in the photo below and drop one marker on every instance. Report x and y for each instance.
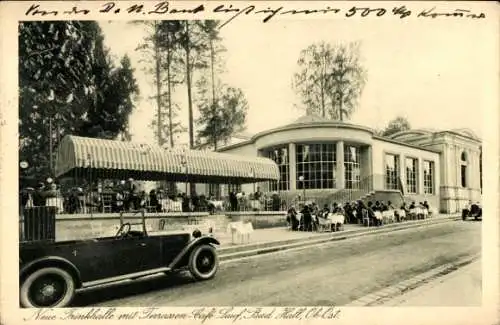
(203, 262)
(47, 287)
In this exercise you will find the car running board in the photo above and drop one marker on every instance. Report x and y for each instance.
(131, 276)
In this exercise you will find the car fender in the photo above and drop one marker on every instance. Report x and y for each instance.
(187, 250)
(55, 261)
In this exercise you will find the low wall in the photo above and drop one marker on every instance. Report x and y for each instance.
(74, 226)
(84, 226)
(260, 219)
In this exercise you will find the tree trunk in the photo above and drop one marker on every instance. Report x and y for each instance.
(188, 83)
(158, 85)
(214, 107)
(169, 85)
(341, 99)
(192, 187)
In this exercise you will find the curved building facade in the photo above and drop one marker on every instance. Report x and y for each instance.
(317, 156)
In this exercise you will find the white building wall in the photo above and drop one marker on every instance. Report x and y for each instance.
(381, 148)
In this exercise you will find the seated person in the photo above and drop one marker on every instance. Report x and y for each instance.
(412, 205)
(400, 217)
(154, 203)
(389, 205)
(371, 211)
(326, 210)
(426, 205)
(74, 204)
(335, 207)
(257, 195)
(377, 206)
(348, 212)
(360, 206)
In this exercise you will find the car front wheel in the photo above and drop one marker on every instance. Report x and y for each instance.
(203, 262)
(47, 287)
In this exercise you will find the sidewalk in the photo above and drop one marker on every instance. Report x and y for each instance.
(284, 233)
(462, 287)
(273, 234)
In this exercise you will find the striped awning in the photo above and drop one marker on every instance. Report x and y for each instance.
(118, 159)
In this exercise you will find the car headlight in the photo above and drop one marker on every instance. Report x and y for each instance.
(196, 233)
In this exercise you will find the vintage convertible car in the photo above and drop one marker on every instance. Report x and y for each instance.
(51, 272)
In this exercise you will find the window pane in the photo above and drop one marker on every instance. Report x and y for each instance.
(428, 167)
(315, 163)
(280, 156)
(464, 175)
(391, 172)
(351, 166)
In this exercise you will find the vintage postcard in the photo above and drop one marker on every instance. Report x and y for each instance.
(239, 162)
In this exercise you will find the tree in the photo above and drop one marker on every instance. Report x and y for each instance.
(196, 40)
(66, 83)
(331, 79)
(163, 44)
(108, 116)
(221, 118)
(397, 124)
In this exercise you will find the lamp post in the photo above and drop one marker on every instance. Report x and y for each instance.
(23, 165)
(51, 98)
(301, 179)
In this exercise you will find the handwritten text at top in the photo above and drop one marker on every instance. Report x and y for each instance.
(229, 12)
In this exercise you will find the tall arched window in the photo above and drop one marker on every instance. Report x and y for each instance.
(463, 169)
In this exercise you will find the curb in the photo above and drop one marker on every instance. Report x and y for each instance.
(381, 296)
(275, 246)
(278, 242)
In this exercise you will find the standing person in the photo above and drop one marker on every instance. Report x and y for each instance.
(39, 195)
(233, 201)
(257, 195)
(292, 219)
(130, 195)
(306, 213)
(239, 197)
(185, 203)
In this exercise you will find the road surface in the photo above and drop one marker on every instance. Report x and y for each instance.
(333, 274)
(462, 287)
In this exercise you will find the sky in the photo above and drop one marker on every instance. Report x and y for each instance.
(433, 74)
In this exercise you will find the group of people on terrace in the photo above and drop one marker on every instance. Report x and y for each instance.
(127, 196)
(309, 215)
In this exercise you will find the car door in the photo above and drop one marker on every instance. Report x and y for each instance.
(172, 245)
(135, 254)
(149, 253)
(93, 258)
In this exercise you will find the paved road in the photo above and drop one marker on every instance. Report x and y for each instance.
(462, 287)
(333, 274)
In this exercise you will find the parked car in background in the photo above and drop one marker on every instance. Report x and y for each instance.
(473, 210)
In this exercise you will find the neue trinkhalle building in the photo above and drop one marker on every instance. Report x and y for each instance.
(318, 157)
